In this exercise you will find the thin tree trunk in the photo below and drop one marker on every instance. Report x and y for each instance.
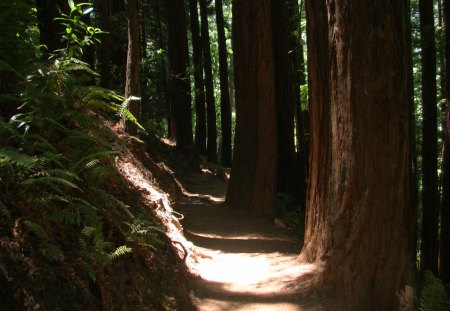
(199, 83)
(444, 253)
(225, 108)
(253, 175)
(284, 96)
(133, 60)
(429, 233)
(179, 81)
(211, 148)
(359, 218)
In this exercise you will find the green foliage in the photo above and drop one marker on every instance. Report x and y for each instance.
(143, 232)
(78, 34)
(304, 97)
(433, 295)
(55, 156)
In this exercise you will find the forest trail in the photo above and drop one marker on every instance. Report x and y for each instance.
(238, 262)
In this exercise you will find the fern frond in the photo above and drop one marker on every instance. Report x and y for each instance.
(100, 154)
(88, 231)
(18, 158)
(53, 252)
(90, 271)
(120, 251)
(77, 65)
(50, 180)
(4, 211)
(125, 113)
(36, 229)
(67, 217)
(92, 163)
(433, 295)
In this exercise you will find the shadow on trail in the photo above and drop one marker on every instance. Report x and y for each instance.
(239, 262)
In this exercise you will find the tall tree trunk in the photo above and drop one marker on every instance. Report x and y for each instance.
(179, 81)
(104, 49)
(133, 60)
(284, 96)
(444, 253)
(253, 175)
(225, 108)
(429, 233)
(359, 219)
(211, 150)
(199, 83)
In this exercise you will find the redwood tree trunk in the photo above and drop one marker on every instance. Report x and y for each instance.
(133, 60)
(444, 253)
(253, 175)
(211, 148)
(284, 96)
(430, 201)
(359, 220)
(179, 81)
(225, 108)
(199, 83)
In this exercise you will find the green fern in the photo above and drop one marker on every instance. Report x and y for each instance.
(86, 161)
(17, 158)
(433, 296)
(4, 211)
(120, 251)
(53, 252)
(36, 229)
(67, 217)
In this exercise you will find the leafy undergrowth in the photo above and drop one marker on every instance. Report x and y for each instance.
(121, 259)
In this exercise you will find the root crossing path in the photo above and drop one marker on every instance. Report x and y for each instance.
(237, 262)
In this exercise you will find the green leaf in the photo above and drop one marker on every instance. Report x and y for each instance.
(88, 10)
(71, 5)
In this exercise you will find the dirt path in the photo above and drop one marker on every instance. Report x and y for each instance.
(237, 262)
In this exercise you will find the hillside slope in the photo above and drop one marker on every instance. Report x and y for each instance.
(150, 277)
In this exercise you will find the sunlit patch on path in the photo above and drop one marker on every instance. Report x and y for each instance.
(238, 262)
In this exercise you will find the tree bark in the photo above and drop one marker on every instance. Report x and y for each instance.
(253, 175)
(284, 96)
(359, 219)
(199, 83)
(211, 148)
(444, 253)
(133, 60)
(225, 108)
(429, 233)
(179, 81)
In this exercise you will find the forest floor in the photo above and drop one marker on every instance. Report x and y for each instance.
(238, 262)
